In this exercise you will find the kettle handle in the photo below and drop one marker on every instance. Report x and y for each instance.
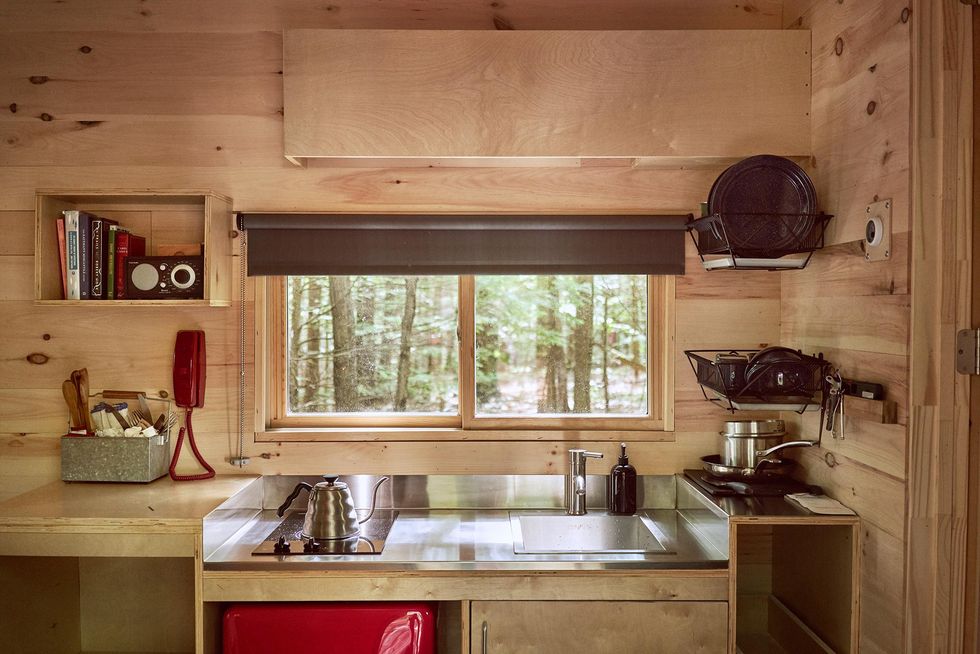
(292, 496)
(374, 499)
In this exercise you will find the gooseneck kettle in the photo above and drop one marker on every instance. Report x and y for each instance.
(330, 513)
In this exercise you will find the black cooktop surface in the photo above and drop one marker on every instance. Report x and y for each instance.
(770, 487)
(287, 539)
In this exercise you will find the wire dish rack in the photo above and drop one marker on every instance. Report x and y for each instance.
(730, 379)
(758, 241)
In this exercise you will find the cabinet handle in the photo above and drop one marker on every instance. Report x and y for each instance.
(485, 630)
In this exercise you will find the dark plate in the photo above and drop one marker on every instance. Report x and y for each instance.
(764, 184)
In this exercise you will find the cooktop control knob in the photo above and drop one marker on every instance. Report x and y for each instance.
(281, 546)
(311, 545)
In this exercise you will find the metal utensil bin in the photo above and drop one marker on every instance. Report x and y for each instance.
(137, 459)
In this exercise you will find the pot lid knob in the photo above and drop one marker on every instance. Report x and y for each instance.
(330, 479)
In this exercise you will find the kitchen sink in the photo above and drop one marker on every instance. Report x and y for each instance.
(592, 533)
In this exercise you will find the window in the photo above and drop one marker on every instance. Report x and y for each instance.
(483, 354)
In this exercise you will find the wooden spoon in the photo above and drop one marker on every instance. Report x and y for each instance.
(83, 399)
(71, 399)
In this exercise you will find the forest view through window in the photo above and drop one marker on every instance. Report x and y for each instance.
(542, 345)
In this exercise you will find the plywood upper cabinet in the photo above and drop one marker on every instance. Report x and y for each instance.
(546, 94)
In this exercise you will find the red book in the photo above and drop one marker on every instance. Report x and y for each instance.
(127, 245)
(62, 259)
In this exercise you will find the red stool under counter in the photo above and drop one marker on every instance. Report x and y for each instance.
(327, 627)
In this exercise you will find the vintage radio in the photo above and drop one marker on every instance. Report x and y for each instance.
(164, 278)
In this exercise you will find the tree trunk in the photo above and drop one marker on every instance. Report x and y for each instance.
(487, 359)
(605, 351)
(344, 367)
(295, 338)
(312, 378)
(405, 350)
(582, 341)
(553, 396)
(365, 346)
(638, 311)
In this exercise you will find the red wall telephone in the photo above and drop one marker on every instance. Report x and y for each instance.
(190, 369)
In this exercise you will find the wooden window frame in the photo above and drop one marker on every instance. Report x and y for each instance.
(273, 424)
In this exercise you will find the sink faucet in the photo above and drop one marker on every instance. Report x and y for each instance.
(575, 480)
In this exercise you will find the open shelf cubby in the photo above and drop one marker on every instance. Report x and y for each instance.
(163, 217)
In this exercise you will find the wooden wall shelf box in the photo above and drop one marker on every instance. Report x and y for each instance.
(162, 217)
(546, 97)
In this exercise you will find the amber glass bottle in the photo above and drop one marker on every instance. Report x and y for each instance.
(622, 486)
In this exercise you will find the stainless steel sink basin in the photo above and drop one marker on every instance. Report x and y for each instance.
(593, 533)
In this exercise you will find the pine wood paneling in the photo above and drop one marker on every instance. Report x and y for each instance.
(841, 271)
(439, 93)
(860, 149)
(283, 187)
(173, 81)
(869, 323)
(857, 312)
(232, 16)
(942, 228)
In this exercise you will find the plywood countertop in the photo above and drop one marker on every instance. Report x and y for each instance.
(163, 502)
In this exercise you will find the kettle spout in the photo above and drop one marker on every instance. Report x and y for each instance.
(374, 499)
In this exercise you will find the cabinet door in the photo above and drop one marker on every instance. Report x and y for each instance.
(620, 627)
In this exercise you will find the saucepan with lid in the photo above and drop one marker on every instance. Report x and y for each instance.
(749, 446)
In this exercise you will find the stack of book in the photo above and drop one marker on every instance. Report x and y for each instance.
(93, 256)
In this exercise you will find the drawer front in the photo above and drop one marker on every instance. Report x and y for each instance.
(666, 627)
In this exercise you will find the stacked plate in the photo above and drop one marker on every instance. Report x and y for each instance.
(768, 205)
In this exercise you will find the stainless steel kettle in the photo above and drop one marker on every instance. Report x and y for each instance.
(330, 512)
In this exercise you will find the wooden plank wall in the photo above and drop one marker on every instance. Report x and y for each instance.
(188, 94)
(858, 313)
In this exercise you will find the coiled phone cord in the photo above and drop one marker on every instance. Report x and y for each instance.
(197, 454)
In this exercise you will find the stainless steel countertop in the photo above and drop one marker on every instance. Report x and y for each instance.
(477, 540)
(463, 524)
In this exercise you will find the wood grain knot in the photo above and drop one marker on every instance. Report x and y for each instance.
(871, 107)
(906, 14)
(46, 117)
(38, 79)
(85, 49)
(501, 23)
(46, 337)
(13, 107)
(839, 46)
(37, 358)
(164, 394)
(830, 460)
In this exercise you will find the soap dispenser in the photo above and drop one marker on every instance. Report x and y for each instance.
(622, 486)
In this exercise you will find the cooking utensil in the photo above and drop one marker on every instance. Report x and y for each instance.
(83, 399)
(763, 469)
(145, 408)
(330, 512)
(754, 428)
(778, 370)
(71, 399)
(123, 422)
(749, 443)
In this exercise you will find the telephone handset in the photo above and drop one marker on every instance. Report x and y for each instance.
(190, 369)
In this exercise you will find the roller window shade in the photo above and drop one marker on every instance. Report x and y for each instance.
(371, 244)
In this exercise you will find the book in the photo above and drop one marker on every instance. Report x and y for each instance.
(127, 245)
(110, 287)
(61, 257)
(84, 255)
(100, 256)
(71, 255)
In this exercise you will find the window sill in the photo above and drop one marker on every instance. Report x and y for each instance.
(383, 434)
